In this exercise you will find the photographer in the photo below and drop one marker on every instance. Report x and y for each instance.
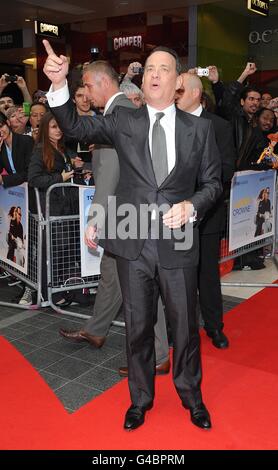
(6, 80)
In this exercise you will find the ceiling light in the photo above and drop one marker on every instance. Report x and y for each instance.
(27, 20)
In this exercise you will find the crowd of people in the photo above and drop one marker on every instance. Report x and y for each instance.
(129, 142)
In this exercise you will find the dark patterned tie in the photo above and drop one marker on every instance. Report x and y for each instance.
(159, 151)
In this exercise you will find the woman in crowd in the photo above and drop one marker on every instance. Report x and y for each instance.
(52, 163)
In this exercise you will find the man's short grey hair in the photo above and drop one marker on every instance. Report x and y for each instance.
(129, 88)
(102, 67)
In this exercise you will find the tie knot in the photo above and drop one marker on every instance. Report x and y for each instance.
(159, 116)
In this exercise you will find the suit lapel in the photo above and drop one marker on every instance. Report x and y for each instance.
(140, 128)
(184, 137)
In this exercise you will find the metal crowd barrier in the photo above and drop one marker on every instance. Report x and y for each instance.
(33, 276)
(63, 254)
(226, 255)
(64, 257)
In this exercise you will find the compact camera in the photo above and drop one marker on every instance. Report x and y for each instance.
(202, 72)
(138, 69)
(11, 78)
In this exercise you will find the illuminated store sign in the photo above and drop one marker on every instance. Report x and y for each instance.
(46, 29)
(129, 41)
(259, 6)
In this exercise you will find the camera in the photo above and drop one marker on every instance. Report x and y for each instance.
(94, 52)
(202, 72)
(11, 78)
(138, 69)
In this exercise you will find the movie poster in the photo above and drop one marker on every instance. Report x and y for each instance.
(252, 207)
(90, 259)
(14, 226)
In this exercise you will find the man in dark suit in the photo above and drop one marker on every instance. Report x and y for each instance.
(210, 297)
(175, 162)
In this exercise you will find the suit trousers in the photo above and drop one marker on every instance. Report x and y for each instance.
(210, 296)
(108, 303)
(141, 280)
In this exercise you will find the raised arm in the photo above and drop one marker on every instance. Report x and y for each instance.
(98, 129)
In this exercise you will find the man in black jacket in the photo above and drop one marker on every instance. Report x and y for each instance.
(210, 297)
(187, 178)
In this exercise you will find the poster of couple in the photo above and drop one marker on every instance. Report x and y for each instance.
(252, 207)
(14, 226)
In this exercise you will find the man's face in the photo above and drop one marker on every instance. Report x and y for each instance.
(136, 99)
(185, 96)
(94, 89)
(251, 103)
(5, 103)
(81, 100)
(160, 80)
(37, 112)
(266, 120)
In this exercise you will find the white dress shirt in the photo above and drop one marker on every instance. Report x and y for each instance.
(168, 122)
(197, 112)
(110, 101)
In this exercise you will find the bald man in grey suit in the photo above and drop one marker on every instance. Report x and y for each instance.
(106, 171)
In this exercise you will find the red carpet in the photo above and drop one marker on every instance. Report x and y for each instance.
(240, 388)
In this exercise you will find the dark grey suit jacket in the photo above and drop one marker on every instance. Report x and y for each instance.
(196, 176)
(215, 218)
(105, 165)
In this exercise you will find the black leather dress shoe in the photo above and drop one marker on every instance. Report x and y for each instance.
(200, 416)
(135, 417)
(219, 340)
(80, 335)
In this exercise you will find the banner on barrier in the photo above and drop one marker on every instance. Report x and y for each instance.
(252, 208)
(14, 226)
(90, 258)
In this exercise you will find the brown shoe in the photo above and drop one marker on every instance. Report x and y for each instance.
(81, 335)
(160, 369)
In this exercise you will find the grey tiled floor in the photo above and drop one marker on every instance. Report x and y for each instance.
(76, 372)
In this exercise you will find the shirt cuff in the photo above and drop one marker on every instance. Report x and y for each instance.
(193, 215)
(58, 97)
